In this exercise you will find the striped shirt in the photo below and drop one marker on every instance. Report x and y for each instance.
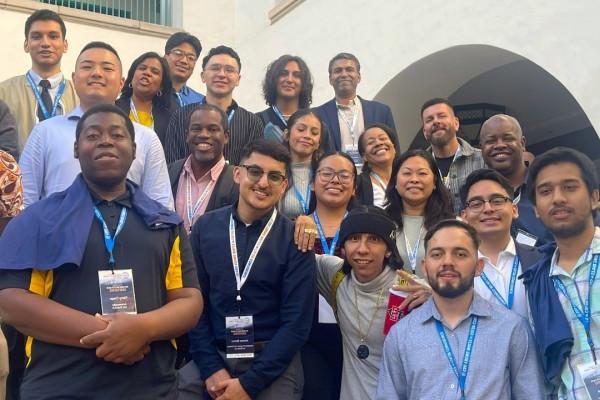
(244, 127)
(576, 283)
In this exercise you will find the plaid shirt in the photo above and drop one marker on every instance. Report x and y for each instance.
(576, 283)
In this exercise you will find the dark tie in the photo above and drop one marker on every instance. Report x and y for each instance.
(46, 98)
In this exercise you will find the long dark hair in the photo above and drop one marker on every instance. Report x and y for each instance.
(439, 204)
(163, 98)
(274, 69)
(362, 145)
(294, 119)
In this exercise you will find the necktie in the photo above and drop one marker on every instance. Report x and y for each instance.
(46, 98)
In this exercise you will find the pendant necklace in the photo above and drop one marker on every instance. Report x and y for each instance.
(362, 352)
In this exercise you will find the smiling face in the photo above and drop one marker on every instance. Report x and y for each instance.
(415, 181)
(563, 201)
(304, 137)
(105, 149)
(344, 77)
(221, 75)
(334, 193)
(182, 60)
(502, 146)
(451, 262)
(147, 78)
(289, 83)
(45, 44)
(439, 124)
(366, 253)
(206, 137)
(379, 149)
(97, 77)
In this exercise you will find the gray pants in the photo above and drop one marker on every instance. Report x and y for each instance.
(288, 386)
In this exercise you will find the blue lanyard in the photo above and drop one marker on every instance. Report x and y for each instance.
(303, 200)
(462, 377)
(230, 116)
(322, 237)
(280, 115)
(109, 240)
(38, 97)
(511, 287)
(584, 316)
(179, 99)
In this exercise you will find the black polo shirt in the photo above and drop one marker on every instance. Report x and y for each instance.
(161, 260)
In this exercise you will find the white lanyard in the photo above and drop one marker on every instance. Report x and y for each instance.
(354, 120)
(412, 252)
(234, 254)
(191, 211)
(136, 117)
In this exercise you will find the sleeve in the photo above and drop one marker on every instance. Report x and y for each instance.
(525, 370)
(327, 267)
(8, 131)
(33, 166)
(257, 128)
(181, 272)
(155, 177)
(296, 316)
(392, 383)
(16, 279)
(389, 119)
(203, 345)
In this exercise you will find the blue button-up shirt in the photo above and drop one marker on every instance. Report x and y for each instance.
(186, 96)
(503, 365)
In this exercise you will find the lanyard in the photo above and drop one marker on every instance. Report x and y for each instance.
(462, 377)
(280, 115)
(179, 99)
(230, 116)
(38, 96)
(379, 181)
(136, 117)
(412, 252)
(584, 316)
(354, 120)
(192, 210)
(328, 250)
(303, 200)
(446, 179)
(250, 262)
(511, 287)
(109, 240)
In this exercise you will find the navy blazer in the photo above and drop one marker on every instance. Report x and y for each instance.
(373, 111)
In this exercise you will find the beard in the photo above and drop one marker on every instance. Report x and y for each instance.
(573, 229)
(442, 140)
(451, 291)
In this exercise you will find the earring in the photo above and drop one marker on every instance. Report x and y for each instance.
(160, 93)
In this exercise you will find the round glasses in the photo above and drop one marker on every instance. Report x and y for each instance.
(496, 202)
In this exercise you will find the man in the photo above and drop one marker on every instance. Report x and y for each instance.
(69, 266)
(469, 348)
(455, 158)
(563, 287)
(503, 149)
(42, 92)
(347, 114)
(47, 162)
(181, 52)
(203, 181)
(221, 73)
(489, 209)
(247, 343)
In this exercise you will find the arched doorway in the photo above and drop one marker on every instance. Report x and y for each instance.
(474, 74)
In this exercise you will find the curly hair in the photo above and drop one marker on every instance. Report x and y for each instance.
(274, 70)
(163, 97)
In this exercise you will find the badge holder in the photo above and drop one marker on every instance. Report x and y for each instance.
(590, 375)
(352, 151)
(117, 294)
(239, 336)
(526, 238)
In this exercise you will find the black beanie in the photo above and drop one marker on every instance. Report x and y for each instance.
(369, 219)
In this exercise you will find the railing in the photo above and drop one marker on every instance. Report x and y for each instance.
(153, 11)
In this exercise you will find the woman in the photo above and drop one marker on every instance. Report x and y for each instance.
(378, 147)
(146, 95)
(303, 139)
(416, 199)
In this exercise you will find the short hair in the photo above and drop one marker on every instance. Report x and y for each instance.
(183, 37)
(45, 15)
(105, 108)
(269, 148)
(269, 86)
(560, 155)
(452, 223)
(496, 117)
(207, 107)
(164, 98)
(343, 56)
(362, 146)
(100, 45)
(433, 102)
(222, 50)
(485, 174)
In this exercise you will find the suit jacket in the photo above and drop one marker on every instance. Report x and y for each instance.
(373, 111)
(161, 116)
(225, 192)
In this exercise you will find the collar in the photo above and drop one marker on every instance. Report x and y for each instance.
(123, 200)
(354, 102)
(214, 172)
(464, 148)
(233, 106)
(556, 270)
(509, 250)
(429, 311)
(54, 80)
(260, 223)
(381, 281)
(76, 114)
(185, 90)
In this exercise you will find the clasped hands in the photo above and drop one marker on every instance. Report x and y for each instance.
(124, 339)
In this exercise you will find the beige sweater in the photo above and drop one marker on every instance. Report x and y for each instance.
(17, 93)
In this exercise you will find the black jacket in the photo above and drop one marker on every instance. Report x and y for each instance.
(160, 114)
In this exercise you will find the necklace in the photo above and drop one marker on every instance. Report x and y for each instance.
(363, 350)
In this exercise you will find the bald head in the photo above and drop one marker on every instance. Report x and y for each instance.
(502, 119)
(503, 144)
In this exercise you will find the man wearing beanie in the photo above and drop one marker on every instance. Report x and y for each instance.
(357, 287)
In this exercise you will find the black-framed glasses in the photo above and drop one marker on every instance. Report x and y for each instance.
(180, 53)
(255, 173)
(496, 202)
(327, 174)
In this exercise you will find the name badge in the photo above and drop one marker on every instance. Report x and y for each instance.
(117, 294)
(590, 375)
(239, 336)
(352, 151)
(526, 238)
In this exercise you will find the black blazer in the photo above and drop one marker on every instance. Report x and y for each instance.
(225, 192)
(160, 114)
(364, 189)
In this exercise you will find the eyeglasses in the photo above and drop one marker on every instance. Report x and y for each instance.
(496, 202)
(255, 173)
(327, 174)
(180, 53)
(228, 69)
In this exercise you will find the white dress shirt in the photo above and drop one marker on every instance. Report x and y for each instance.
(48, 164)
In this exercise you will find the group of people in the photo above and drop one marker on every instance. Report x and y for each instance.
(161, 243)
